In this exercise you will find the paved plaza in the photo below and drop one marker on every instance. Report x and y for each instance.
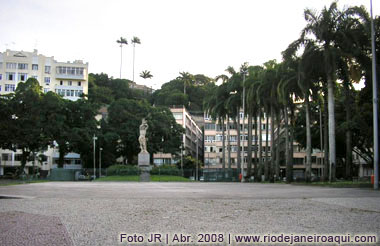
(87, 213)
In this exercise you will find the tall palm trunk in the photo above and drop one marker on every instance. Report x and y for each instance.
(272, 148)
(325, 141)
(121, 58)
(289, 167)
(261, 164)
(266, 167)
(256, 168)
(308, 140)
(278, 146)
(332, 146)
(237, 122)
(133, 72)
(229, 146)
(348, 131)
(291, 139)
(224, 148)
(249, 147)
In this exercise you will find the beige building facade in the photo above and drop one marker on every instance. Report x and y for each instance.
(68, 79)
(192, 139)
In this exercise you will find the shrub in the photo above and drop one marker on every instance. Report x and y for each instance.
(166, 170)
(122, 170)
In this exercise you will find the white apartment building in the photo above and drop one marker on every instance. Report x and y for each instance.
(191, 139)
(68, 79)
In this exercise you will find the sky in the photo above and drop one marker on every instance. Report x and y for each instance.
(195, 36)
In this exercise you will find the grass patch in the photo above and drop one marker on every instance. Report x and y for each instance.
(135, 178)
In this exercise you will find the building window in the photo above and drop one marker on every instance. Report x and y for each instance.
(70, 70)
(11, 65)
(23, 66)
(10, 87)
(233, 138)
(210, 126)
(35, 77)
(18, 157)
(61, 82)
(46, 90)
(70, 83)
(47, 80)
(210, 139)
(10, 76)
(34, 66)
(1, 76)
(0, 87)
(22, 76)
(1, 65)
(60, 92)
(47, 69)
(6, 157)
(177, 116)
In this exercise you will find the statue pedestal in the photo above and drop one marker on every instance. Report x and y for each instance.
(144, 166)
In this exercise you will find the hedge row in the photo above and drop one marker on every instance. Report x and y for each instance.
(126, 170)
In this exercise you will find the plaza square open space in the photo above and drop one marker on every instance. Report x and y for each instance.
(96, 213)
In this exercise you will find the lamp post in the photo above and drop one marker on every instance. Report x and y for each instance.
(375, 110)
(100, 162)
(181, 147)
(94, 138)
(196, 163)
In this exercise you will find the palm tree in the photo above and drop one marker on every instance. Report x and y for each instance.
(134, 41)
(308, 76)
(288, 92)
(121, 41)
(146, 74)
(325, 29)
(187, 80)
(253, 110)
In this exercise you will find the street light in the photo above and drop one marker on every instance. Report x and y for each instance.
(196, 165)
(100, 162)
(94, 138)
(181, 147)
(375, 110)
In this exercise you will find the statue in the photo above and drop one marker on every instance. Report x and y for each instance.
(142, 138)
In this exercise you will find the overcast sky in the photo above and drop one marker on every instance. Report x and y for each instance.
(196, 36)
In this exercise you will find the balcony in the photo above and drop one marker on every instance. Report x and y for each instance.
(70, 76)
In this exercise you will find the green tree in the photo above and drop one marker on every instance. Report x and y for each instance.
(134, 41)
(121, 41)
(26, 131)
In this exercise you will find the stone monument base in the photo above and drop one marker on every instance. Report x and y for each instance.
(144, 166)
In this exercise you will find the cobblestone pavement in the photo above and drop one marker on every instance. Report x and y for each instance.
(84, 213)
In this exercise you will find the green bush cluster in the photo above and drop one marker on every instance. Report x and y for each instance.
(166, 170)
(122, 170)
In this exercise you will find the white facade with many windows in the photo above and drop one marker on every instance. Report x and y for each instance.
(68, 79)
